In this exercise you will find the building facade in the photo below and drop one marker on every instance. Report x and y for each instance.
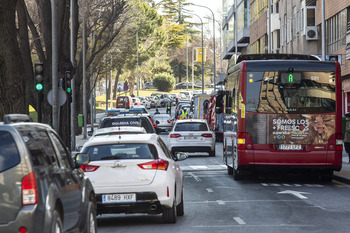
(290, 26)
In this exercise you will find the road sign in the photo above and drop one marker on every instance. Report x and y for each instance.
(199, 54)
(62, 97)
(126, 88)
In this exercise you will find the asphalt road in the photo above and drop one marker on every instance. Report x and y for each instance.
(214, 202)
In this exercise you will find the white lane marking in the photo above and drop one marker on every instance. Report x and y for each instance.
(264, 184)
(295, 193)
(195, 177)
(239, 220)
(198, 167)
(220, 202)
(210, 190)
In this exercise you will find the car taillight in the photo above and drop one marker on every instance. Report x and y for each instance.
(157, 164)
(207, 135)
(170, 121)
(244, 141)
(29, 190)
(175, 135)
(89, 168)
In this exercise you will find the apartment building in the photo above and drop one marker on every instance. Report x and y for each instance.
(290, 26)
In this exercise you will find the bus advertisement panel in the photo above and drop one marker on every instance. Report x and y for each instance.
(288, 115)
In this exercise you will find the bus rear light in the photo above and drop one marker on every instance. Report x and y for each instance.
(244, 141)
(29, 190)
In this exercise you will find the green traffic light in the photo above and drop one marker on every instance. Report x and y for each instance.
(69, 90)
(39, 87)
(290, 78)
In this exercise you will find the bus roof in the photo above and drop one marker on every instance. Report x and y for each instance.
(275, 56)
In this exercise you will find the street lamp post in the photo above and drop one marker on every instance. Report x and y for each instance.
(213, 42)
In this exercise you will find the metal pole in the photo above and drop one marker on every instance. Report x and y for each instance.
(323, 33)
(192, 69)
(106, 85)
(187, 64)
(235, 29)
(84, 74)
(137, 60)
(110, 91)
(268, 27)
(202, 61)
(54, 66)
(213, 42)
(72, 127)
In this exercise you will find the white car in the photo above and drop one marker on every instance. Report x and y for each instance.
(135, 174)
(191, 135)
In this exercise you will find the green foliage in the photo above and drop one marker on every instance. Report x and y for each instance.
(164, 82)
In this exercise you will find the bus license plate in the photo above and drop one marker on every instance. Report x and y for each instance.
(290, 147)
(119, 198)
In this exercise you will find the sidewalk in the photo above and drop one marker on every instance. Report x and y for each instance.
(344, 174)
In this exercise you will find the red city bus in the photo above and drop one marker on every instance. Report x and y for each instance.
(283, 112)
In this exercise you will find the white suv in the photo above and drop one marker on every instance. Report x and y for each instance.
(191, 135)
(135, 174)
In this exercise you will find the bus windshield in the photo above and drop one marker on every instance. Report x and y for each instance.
(291, 92)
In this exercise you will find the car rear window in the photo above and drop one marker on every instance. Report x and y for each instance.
(9, 155)
(191, 126)
(122, 151)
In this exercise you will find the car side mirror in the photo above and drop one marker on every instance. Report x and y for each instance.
(81, 159)
(180, 156)
(157, 122)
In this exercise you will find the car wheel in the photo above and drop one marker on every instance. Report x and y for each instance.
(91, 225)
(180, 206)
(212, 153)
(169, 214)
(57, 226)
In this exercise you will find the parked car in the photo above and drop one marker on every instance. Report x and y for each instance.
(183, 85)
(148, 85)
(135, 174)
(164, 122)
(191, 135)
(42, 189)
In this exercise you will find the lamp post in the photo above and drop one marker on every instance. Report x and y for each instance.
(137, 56)
(213, 41)
(202, 54)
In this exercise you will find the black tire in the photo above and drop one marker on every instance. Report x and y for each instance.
(180, 207)
(212, 153)
(169, 214)
(229, 170)
(90, 224)
(57, 225)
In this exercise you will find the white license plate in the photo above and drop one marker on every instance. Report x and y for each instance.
(290, 147)
(190, 138)
(119, 198)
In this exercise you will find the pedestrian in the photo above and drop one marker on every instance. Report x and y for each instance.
(183, 114)
(168, 108)
(347, 135)
(157, 111)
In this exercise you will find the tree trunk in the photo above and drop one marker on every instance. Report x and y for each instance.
(12, 71)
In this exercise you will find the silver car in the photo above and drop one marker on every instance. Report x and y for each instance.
(164, 122)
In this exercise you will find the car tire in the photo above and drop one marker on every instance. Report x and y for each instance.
(57, 225)
(91, 224)
(229, 170)
(169, 214)
(212, 153)
(180, 206)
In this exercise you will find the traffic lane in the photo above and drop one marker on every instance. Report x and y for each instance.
(213, 201)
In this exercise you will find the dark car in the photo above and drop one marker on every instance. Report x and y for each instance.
(42, 189)
(184, 86)
(129, 120)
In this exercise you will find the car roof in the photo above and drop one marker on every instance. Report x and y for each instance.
(119, 129)
(122, 138)
(191, 121)
(161, 115)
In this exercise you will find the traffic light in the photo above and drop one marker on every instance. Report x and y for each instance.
(39, 76)
(68, 77)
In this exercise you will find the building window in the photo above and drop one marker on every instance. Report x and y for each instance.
(336, 28)
(294, 23)
(285, 30)
(277, 8)
(311, 16)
